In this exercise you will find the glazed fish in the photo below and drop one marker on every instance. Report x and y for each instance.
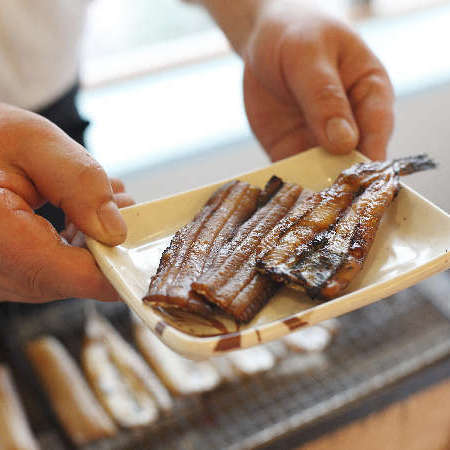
(81, 416)
(232, 282)
(321, 246)
(181, 376)
(123, 395)
(15, 431)
(346, 246)
(128, 361)
(194, 247)
(248, 362)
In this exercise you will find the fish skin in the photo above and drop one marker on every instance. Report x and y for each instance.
(233, 282)
(195, 246)
(303, 250)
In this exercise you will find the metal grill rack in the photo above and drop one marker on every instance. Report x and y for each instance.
(376, 346)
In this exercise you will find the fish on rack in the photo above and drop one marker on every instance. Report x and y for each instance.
(78, 410)
(180, 375)
(15, 431)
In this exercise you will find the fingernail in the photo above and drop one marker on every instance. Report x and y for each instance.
(112, 220)
(340, 132)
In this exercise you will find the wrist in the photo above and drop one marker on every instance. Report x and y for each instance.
(236, 18)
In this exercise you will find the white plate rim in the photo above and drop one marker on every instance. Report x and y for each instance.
(202, 347)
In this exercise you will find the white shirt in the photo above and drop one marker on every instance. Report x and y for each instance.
(39, 49)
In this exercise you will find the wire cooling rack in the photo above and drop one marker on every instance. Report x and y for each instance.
(376, 346)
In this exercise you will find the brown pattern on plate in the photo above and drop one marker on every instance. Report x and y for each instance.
(228, 342)
(294, 322)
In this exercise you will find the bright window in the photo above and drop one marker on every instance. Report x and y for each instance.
(164, 85)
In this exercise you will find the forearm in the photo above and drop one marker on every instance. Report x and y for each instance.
(236, 18)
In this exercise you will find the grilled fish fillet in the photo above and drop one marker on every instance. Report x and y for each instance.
(128, 361)
(321, 245)
(81, 416)
(232, 282)
(181, 376)
(195, 246)
(15, 431)
(118, 387)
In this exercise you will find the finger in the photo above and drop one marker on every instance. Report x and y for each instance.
(372, 98)
(117, 185)
(22, 186)
(122, 200)
(319, 92)
(373, 103)
(279, 127)
(297, 140)
(70, 178)
(11, 295)
(40, 265)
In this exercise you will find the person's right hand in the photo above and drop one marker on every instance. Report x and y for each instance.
(311, 80)
(39, 163)
(76, 237)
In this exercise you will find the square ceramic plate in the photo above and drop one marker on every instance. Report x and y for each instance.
(412, 244)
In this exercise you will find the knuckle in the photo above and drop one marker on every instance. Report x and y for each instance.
(374, 98)
(122, 200)
(300, 44)
(10, 202)
(89, 186)
(4, 198)
(34, 280)
(328, 93)
(374, 84)
(90, 170)
(41, 285)
(315, 38)
(377, 82)
(117, 185)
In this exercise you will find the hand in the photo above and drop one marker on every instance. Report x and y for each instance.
(310, 80)
(76, 237)
(39, 163)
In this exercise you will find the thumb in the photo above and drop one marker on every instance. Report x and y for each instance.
(66, 175)
(37, 265)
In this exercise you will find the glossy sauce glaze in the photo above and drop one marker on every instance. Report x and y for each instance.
(322, 244)
(232, 282)
(197, 243)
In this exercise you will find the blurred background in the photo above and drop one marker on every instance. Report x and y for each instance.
(163, 90)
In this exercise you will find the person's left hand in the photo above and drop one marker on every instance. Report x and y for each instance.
(311, 80)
